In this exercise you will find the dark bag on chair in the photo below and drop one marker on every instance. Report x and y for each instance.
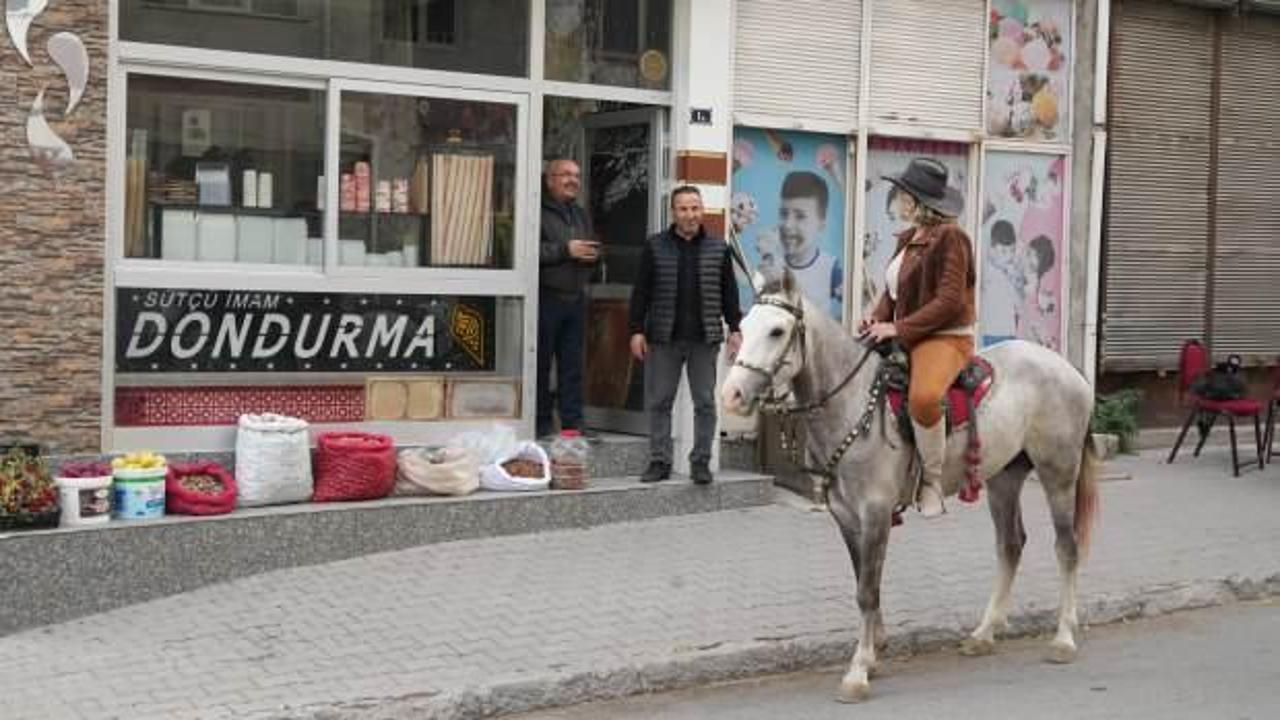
(1223, 382)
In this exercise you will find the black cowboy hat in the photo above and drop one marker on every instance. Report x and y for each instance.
(925, 179)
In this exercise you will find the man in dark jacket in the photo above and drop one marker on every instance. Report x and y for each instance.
(684, 287)
(568, 255)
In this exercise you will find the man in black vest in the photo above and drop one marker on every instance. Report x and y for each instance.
(567, 257)
(684, 287)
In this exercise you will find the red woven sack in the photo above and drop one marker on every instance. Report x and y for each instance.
(354, 466)
(180, 500)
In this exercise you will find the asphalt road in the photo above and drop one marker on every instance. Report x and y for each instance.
(1218, 664)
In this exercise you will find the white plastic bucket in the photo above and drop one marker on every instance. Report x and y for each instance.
(84, 500)
(138, 494)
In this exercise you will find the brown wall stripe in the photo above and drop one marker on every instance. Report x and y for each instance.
(702, 167)
(713, 221)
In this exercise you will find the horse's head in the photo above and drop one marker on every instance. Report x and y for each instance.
(772, 349)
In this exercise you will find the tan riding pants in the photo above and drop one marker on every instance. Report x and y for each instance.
(935, 363)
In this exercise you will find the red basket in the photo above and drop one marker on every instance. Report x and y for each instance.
(181, 501)
(354, 466)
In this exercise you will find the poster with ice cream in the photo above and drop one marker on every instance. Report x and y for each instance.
(788, 209)
(884, 217)
(1028, 91)
(1021, 249)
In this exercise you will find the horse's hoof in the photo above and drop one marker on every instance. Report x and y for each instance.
(853, 692)
(1061, 654)
(976, 647)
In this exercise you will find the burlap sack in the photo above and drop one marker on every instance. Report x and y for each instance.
(447, 471)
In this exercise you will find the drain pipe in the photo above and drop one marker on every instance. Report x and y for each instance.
(1097, 188)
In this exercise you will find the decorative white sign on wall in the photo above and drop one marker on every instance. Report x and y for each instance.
(50, 152)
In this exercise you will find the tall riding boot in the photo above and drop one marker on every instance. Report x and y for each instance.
(931, 443)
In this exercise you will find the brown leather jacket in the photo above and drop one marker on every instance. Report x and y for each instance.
(935, 284)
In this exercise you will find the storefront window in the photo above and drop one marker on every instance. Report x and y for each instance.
(1029, 87)
(426, 182)
(223, 172)
(477, 36)
(610, 42)
(1022, 248)
(890, 157)
(788, 209)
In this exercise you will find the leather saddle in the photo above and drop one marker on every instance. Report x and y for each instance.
(962, 399)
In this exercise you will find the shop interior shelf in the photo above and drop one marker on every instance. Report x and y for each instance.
(155, 243)
(234, 210)
(382, 213)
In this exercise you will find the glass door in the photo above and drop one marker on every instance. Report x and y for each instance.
(623, 189)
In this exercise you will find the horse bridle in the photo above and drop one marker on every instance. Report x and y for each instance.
(771, 401)
(774, 405)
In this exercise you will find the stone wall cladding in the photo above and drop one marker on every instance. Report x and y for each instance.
(52, 241)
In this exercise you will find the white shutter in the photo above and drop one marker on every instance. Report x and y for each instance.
(1246, 289)
(798, 61)
(927, 62)
(1158, 178)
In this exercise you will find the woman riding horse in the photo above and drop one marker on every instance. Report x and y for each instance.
(928, 305)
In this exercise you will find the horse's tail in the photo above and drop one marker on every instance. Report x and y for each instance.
(1087, 501)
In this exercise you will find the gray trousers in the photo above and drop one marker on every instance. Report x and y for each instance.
(661, 381)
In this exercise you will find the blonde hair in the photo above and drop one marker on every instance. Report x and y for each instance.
(926, 216)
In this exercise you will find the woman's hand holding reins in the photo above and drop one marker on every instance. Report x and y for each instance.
(880, 332)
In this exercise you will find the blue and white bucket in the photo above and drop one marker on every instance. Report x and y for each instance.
(138, 494)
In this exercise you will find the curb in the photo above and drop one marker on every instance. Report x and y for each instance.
(769, 657)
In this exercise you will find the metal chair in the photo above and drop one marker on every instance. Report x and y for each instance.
(1192, 363)
(1272, 405)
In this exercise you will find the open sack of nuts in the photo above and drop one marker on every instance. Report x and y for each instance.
(199, 488)
(525, 467)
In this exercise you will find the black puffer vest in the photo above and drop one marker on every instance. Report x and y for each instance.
(662, 310)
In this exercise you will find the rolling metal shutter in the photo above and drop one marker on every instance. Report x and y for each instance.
(1246, 289)
(927, 62)
(798, 61)
(1157, 192)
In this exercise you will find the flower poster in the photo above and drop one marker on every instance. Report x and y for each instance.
(890, 157)
(1028, 91)
(788, 209)
(1022, 250)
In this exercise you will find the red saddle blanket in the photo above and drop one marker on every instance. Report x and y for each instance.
(978, 374)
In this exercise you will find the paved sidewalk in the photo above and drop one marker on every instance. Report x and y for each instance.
(477, 628)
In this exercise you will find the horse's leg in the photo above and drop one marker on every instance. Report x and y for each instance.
(873, 539)
(1004, 499)
(847, 520)
(1060, 490)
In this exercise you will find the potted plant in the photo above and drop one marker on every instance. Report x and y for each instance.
(28, 495)
(1117, 414)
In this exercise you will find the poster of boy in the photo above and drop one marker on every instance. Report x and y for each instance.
(788, 209)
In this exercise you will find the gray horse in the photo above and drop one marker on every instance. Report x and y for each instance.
(1035, 417)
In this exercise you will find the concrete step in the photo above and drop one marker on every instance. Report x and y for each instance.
(57, 575)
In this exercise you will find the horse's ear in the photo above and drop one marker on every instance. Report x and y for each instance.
(789, 285)
(769, 279)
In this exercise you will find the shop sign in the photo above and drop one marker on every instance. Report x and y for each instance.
(162, 330)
